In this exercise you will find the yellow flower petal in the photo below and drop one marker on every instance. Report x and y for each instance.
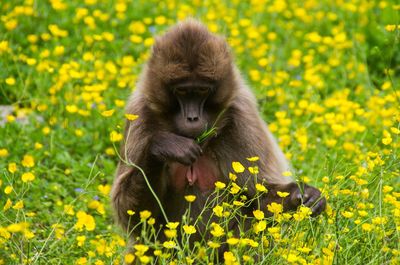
(238, 167)
(131, 117)
(108, 113)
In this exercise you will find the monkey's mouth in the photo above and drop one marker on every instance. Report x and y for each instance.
(192, 131)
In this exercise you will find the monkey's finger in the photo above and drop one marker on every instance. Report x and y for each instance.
(309, 200)
(186, 159)
(192, 156)
(195, 150)
(319, 207)
(296, 198)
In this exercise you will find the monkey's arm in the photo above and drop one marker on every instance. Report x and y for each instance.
(148, 148)
(130, 190)
(167, 146)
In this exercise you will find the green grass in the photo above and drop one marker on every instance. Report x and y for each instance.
(326, 75)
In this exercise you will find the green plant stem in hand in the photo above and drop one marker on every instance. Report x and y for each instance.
(210, 132)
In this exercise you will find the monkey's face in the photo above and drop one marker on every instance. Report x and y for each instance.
(191, 118)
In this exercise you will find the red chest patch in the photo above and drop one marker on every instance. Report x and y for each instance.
(202, 173)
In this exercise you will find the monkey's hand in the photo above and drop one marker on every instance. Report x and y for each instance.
(306, 195)
(172, 147)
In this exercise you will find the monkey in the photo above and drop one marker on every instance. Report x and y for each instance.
(190, 83)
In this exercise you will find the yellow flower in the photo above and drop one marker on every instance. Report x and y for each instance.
(140, 249)
(130, 212)
(4, 47)
(108, 113)
(261, 187)
(10, 81)
(232, 241)
(3, 152)
(85, 220)
(232, 176)
(212, 244)
(189, 229)
(229, 258)
(390, 27)
(71, 108)
(8, 189)
(367, 227)
(304, 249)
(259, 215)
(260, 226)
(115, 136)
(27, 177)
(219, 185)
(253, 159)
(387, 140)
(237, 167)
(234, 189)
(387, 189)
(81, 261)
(238, 203)
(292, 258)
(19, 205)
(38, 146)
(7, 205)
(170, 233)
(28, 161)
(172, 225)
(253, 170)
(144, 259)
(46, 130)
(274, 230)
(394, 130)
(282, 194)
(362, 213)
(14, 228)
(190, 198)
(131, 117)
(169, 244)
(379, 220)
(104, 189)
(129, 258)
(217, 230)
(145, 214)
(69, 209)
(347, 214)
(12, 167)
(287, 173)
(275, 208)
(110, 151)
(302, 213)
(218, 210)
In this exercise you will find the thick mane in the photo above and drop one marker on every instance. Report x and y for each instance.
(189, 50)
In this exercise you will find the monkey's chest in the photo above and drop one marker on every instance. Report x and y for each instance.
(203, 174)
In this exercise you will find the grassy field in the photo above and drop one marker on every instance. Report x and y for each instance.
(326, 74)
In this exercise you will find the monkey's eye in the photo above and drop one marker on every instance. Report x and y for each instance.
(203, 90)
(181, 91)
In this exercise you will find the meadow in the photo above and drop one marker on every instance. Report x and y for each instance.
(326, 75)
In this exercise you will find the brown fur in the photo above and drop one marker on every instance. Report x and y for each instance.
(189, 52)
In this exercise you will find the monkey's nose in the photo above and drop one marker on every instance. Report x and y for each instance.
(193, 119)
